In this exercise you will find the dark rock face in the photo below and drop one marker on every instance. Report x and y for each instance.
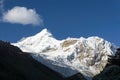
(17, 65)
(76, 77)
(115, 60)
(110, 73)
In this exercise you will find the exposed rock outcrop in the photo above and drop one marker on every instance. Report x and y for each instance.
(112, 70)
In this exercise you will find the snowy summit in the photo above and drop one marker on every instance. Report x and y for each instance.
(69, 56)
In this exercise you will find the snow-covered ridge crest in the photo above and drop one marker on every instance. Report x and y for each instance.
(69, 56)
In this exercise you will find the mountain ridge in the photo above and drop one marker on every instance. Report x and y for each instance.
(72, 55)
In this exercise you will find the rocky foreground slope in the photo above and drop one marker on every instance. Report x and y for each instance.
(17, 65)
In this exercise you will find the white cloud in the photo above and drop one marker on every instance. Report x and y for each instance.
(22, 15)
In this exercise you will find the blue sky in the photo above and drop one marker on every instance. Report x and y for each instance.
(65, 18)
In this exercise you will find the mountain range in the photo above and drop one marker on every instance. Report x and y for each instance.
(41, 56)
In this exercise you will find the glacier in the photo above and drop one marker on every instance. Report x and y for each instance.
(69, 56)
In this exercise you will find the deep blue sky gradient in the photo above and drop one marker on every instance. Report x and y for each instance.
(68, 18)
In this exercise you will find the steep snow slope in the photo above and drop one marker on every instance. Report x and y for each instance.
(70, 56)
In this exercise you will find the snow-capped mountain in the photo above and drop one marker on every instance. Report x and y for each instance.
(69, 56)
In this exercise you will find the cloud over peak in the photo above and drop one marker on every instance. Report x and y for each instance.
(22, 15)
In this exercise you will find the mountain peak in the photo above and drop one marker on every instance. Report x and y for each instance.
(44, 32)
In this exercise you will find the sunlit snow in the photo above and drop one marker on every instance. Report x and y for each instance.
(69, 56)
